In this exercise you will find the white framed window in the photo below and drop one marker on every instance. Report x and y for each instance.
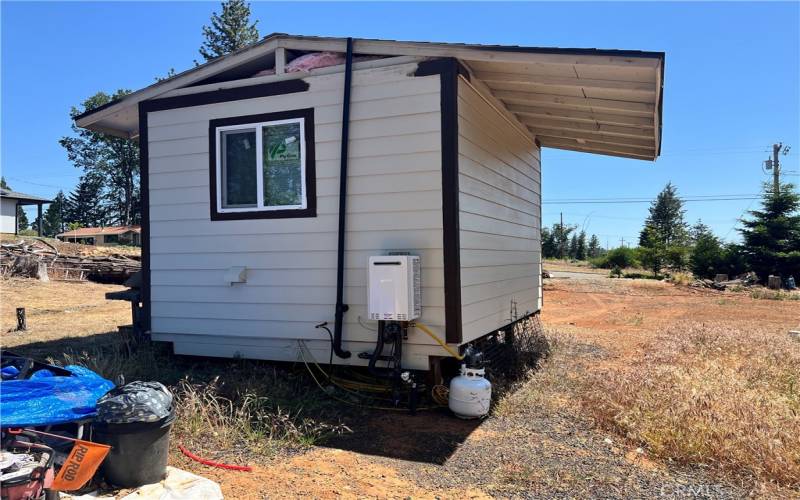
(263, 166)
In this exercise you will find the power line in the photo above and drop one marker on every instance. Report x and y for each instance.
(646, 200)
(17, 179)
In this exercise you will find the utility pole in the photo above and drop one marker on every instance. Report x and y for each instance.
(775, 165)
(622, 242)
(776, 168)
(561, 238)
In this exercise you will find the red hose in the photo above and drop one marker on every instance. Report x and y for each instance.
(243, 468)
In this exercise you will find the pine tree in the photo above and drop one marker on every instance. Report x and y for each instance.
(698, 230)
(594, 249)
(22, 219)
(772, 234)
(573, 246)
(665, 223)
(52, 223)
(84, 205)
(229, 31)
(4, 184)
(580, 250)
(707, 254)
(549, 245)
(562, 239)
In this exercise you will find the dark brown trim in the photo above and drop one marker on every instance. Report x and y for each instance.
(661, 104)
(225, 95)
(440, 67)
(311, 176)
(144, 237)
(448, 71)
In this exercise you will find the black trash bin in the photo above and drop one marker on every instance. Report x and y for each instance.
(135, 421)
(138, 453)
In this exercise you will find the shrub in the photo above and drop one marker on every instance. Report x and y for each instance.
(680, 278)
(639, 276)
(621, 257)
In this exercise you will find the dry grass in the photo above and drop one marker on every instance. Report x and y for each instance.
(721, 397)
(681, 278)
(58, 309)
(234, 410)
(766, 293)
(546, 386)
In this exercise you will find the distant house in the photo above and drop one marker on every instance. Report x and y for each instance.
(104, 236)
(9, 201)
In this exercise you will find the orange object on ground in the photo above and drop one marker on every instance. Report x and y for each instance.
(81, 464)
(204, 461)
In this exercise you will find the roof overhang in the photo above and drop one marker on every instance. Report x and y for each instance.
(597, 101)
(22, 198)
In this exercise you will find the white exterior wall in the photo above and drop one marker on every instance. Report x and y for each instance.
(394, 203)
(8, 213)
(500, 217)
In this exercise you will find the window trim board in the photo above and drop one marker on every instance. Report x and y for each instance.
(308, 164)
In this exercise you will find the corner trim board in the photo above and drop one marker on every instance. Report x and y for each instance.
(448, 70)
(144, 236)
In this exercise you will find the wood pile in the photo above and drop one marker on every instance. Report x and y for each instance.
(39, 259)
(745, 280)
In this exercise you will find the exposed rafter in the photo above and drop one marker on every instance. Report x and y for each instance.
(592, 136)
(568, 102)
(594, 147)
(582, 116)
(640, 88)
(588, 127)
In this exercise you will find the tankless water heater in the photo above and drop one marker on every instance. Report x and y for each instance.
(395, 288)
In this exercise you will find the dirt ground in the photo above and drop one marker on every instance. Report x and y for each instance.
(536, 448)
(621, 314)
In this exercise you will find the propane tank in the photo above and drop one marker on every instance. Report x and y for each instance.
(470, 393)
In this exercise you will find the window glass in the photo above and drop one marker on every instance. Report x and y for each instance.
(282, 170)
(239, 168)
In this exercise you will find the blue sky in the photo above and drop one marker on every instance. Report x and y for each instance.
(731, 86)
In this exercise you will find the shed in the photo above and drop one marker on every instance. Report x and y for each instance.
(432, 149)
(9, 201)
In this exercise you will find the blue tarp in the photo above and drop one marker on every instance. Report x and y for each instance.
(48, 399)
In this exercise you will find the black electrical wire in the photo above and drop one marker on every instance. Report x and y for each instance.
(324, 326)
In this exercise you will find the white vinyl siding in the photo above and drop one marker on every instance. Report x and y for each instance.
(8, 215)
(394, 203)
(500, 217)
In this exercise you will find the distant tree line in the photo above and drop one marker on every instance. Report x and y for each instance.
(569, 243)
(770, 240)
